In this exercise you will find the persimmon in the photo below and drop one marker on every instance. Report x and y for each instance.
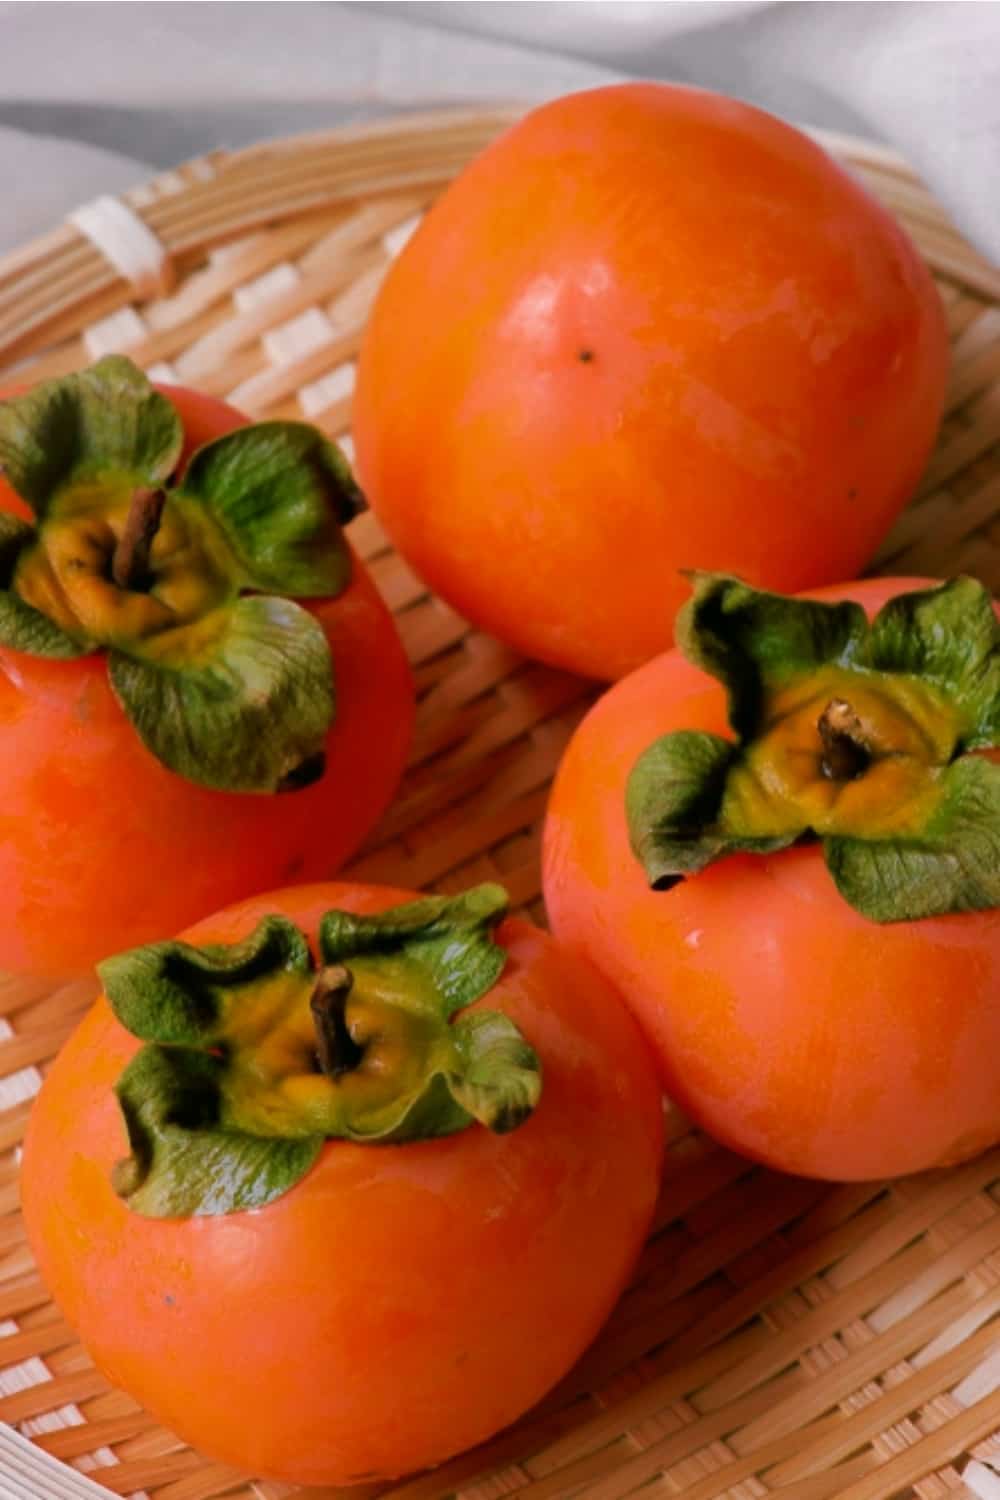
(801, 904)
(649, 328)
(184, 633)
(344, 1181)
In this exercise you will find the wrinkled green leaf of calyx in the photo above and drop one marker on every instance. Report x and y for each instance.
(248, 714)
(440, 956)
(15, 535)
(279, 492)
(21, 627)
(184, 1162)
(181, 995)
(949, 635)
(748, 638)
(106, 422)
(428, 1113)
(499, 1081)
(445, 942)
(483, 1071)
(952, 866)
(673, 806)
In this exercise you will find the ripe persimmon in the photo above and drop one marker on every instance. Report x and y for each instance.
(147, 721)
(326, 1311)
(649, 328)
(804, 920)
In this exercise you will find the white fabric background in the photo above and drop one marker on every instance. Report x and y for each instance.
(95, 96)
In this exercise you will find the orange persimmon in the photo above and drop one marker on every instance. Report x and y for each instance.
(649, 328)
(391, 1297)
(103, 844)
(836, 1019)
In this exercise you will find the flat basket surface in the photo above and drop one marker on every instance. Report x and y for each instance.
(780, 1336)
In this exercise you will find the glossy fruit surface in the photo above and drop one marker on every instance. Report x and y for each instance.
(102, 847)
(790, 1026)
(648, 329)
(401, 1302)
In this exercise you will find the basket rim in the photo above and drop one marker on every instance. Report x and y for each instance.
(212, 199)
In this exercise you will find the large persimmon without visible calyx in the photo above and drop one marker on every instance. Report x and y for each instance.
(185, 631)
(329, 1311)
(648, 329)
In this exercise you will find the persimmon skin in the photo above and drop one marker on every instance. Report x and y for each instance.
(648, 329)
(400, 1303)
(786, 1024)
(103, 848)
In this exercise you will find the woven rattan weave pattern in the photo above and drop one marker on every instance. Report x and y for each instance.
(780, 1337)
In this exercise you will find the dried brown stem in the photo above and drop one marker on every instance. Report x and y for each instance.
(336, 1050)
(846, 753)
(130, 563)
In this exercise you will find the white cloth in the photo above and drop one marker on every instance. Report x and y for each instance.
(95, 96)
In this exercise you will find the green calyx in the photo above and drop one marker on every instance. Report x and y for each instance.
(255, 1055)
(187, 579)
(858, 734)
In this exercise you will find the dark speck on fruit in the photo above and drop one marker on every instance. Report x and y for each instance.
(168, 1299)
(585, 356)
(304, 774)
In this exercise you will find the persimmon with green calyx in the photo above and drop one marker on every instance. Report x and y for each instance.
(782, 844)
(343, 1181)
(201, 692)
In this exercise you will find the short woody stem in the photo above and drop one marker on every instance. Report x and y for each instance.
(336, 1050)
(130, 564)
(846, 754)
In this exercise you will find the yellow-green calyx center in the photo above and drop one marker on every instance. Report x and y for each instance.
(859, 734)
(842, 752)
(186, 575)
(88, 574)
(331, 1054)
(255, 1055)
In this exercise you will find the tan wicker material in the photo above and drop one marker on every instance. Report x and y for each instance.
(780, 1337)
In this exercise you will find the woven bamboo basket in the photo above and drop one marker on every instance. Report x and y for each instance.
(780, 1336)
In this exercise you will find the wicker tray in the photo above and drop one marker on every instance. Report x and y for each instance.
(780, 1336)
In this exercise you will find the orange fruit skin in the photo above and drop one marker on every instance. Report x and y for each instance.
(787, 1025)
(103, 848)
(398, 1304)
(648, 329)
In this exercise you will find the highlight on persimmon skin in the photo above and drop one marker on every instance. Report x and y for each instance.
(789, 1026)
(453, 1265)
(648, 329)
(104, 848)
